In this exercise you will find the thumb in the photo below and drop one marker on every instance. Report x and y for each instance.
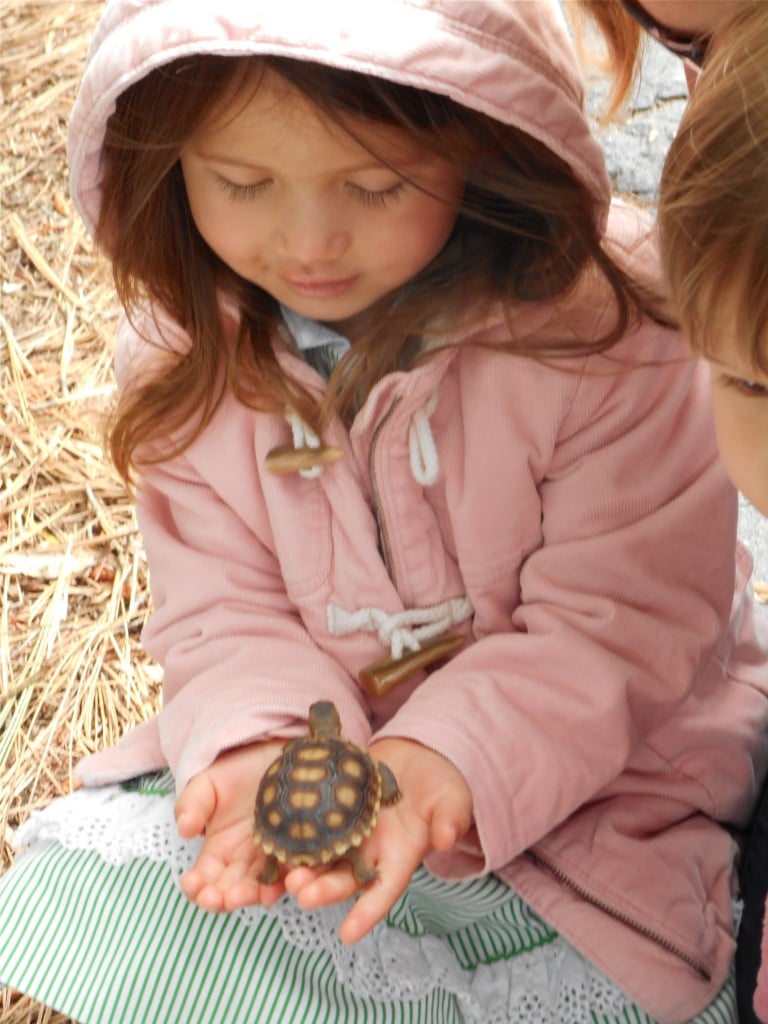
(451, 819)
(195, 806)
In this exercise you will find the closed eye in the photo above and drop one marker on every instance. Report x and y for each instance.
(749, 388)
(242, 192)
(380, 198)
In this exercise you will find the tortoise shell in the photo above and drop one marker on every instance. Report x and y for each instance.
(319, 799)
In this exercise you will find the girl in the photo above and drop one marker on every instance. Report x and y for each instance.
(407, 438)
(713, 202)
(713, 219)
(714, 231)
(713, 223)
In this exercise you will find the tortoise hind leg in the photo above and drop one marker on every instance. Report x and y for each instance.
(270, 873)
(390, 791)
(362, 871)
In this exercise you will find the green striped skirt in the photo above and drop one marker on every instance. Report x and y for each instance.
(93, 923)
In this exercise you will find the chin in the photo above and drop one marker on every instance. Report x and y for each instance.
(758, 500)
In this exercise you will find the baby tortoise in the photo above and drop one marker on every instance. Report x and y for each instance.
(319, 800)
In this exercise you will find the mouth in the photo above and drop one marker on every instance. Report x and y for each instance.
(317, 287)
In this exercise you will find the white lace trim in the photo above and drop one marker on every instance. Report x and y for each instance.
(117, 824)
(548, 985)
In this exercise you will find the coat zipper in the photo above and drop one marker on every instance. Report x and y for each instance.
(378, 510)
(543, 862)
(642, 929)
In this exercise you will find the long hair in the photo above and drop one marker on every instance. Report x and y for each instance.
(624, 45)
(526, 231)
(713, 206)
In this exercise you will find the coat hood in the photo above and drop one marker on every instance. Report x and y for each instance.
(510, 59)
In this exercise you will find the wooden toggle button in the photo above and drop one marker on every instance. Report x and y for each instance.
(380, 676)
(292, 460)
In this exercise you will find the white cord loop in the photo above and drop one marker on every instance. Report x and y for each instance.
(303, 437)
(425, 463)
(400, 631)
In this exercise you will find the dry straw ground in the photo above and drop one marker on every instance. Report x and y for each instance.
(73, 593)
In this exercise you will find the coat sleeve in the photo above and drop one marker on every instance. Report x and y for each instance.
(623, 605)
(238, 663)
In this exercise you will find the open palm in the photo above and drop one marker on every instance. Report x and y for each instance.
(218, 804)
(434, 812)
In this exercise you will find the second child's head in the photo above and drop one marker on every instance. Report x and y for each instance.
(713, 202)
(713, 219)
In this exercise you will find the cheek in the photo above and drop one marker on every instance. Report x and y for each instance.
(689, 16)
(754, 483)
(220, 221)
(228, 229)
(742, 436)
(420, 234)
(755, 474)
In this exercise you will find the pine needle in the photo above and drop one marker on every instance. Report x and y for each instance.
(73, 581)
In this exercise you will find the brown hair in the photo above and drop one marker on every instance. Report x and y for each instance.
(713, 206)
(624, 42)
(526, 230)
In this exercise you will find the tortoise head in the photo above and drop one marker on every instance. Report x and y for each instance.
(324, 721)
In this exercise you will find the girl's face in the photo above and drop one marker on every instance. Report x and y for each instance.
(292, 203)
(689, 18)
(740, 400)
(695, 16)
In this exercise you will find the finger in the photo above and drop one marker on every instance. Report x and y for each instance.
(313, 889)
(297, 878)
(195, 806)
(191, 883)
(376, 901)
(205, 872)
(443, 836)
(227, 882)
(448, 822)
(250, 891)
(213, 879)
(218, 860)
(211, 898)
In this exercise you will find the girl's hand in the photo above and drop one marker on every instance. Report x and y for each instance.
(434, 812)
(218, 804)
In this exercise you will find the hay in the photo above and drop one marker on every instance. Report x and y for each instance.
(73, 580)
(72, 574)
(18, 1009)
(73, 588)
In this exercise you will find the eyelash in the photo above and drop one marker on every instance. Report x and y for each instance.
(368, 198)
(242, 192)
(747, 388)
(376, 199)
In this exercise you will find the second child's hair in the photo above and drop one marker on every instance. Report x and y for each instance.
(713, 204)
(624, 43)
(526, 231)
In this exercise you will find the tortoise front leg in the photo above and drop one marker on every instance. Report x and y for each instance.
(390, 791)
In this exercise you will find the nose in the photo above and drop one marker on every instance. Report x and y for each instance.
(311, 233)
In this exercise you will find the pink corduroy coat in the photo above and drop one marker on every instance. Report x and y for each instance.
(608, 708)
